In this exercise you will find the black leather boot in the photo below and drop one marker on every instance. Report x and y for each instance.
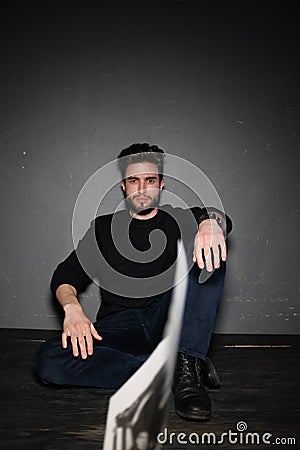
(191, 400)
(209, 374)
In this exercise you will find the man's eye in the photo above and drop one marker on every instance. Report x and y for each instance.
(151, 181)
(132, 181)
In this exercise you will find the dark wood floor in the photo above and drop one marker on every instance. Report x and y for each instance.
(260, 386)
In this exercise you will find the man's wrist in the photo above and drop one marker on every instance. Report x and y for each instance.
(67, 297)
(214, 216)
(71, 305)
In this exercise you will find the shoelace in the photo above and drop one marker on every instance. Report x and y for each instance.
(187, 368)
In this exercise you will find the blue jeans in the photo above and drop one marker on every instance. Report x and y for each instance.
(130, 336)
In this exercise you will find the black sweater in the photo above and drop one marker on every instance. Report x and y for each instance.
(130, 273)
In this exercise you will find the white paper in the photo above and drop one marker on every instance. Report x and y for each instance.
(137, 411)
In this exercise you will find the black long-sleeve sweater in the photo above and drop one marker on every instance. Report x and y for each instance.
(131, 273)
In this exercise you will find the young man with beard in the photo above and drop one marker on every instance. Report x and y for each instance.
(133, 253)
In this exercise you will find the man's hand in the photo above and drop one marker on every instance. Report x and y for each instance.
(209, 241)
(80, 329)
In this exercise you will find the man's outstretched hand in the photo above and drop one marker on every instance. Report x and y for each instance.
(209, 245)
(78, 327)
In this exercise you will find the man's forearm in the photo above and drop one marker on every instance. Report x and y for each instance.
(67, 296)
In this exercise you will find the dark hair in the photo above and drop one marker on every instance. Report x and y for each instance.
(137, 153)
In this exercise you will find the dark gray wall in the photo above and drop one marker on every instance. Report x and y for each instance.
(216, 84)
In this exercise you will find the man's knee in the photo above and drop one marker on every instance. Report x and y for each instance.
(45, 363)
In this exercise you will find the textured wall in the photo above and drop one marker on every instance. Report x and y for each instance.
(217, 84)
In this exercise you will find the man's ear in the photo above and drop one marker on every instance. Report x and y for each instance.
(122, 184)
(162, 184)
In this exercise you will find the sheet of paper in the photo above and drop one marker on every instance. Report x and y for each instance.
(137, 411)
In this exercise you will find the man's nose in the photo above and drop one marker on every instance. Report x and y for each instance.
(142, 186)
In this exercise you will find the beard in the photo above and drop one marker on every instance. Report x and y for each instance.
(142, 209)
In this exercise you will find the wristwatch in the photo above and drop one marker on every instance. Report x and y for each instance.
(212, 215)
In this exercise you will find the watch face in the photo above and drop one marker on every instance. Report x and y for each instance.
(213, 216)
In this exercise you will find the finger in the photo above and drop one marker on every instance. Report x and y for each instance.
(95, 333)
(197, 254)
(89, 344)
(64, 339)
(208, 260)
(200, 260)
(224, 252)
(74, 345)
(82, 346)
(216, 254)
(194, 257)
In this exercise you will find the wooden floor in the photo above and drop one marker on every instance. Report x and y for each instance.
(260, 386)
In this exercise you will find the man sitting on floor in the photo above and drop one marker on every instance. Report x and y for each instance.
(134, 307)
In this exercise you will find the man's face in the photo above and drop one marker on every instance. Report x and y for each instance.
(142, 187)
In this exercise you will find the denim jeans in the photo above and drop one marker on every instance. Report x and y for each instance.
(131, 335)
